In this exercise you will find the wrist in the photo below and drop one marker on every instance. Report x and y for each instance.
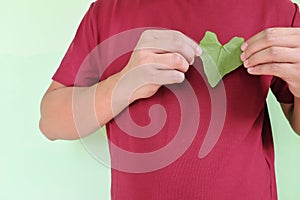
(125, 78)
(120, 90)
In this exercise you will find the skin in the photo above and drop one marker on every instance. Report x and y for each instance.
(162, 57)
(275, 52)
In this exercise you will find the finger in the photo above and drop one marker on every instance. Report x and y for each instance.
(150, 74)
(164, 41)
(284, 37)
(171, 61)
(282, 70)
(166, 77)
(175, 36)
(273, 55)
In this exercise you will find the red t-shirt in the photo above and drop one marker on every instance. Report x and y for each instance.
(241, 163)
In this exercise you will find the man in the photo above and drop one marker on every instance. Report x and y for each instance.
(162, 68)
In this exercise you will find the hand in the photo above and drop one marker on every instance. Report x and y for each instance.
(275, 51)
(161, 57)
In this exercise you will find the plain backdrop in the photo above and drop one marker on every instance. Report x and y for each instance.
(34, 36)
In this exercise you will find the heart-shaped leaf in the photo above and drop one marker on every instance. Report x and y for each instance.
(219, 60)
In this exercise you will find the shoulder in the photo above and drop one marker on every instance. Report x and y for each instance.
(282, 12)
(110, 7)
(114, 3)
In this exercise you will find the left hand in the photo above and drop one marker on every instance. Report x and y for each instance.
(275, 51)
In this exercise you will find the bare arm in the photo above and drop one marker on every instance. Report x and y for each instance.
(73, 112)
(57, 117)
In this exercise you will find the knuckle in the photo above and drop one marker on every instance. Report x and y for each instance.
(176, 59)
(176, 33)
(177, 38)
(178, 43)
(179, 62)
(146, 37)
(249, 51)
(270, 35)
(273, 51)
(151, 34)
(147, 33)
(275, 68)
(142, 57)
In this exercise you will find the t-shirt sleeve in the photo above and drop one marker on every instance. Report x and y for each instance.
(82, 45)
(279, 87)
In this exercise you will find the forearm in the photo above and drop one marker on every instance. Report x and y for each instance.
(73, 112)
(70, 113)
(295, 115)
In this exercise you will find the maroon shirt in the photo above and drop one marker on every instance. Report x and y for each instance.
(241, 163)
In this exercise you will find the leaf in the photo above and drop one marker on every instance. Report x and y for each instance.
(219, 60)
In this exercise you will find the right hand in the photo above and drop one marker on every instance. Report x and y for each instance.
(161, 57)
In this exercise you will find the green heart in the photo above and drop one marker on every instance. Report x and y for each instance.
(219, 60)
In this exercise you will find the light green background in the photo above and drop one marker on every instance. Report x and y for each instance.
(34, 36)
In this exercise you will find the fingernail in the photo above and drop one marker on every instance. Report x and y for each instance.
(198, 51)
(244, 46)
(243, 55)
